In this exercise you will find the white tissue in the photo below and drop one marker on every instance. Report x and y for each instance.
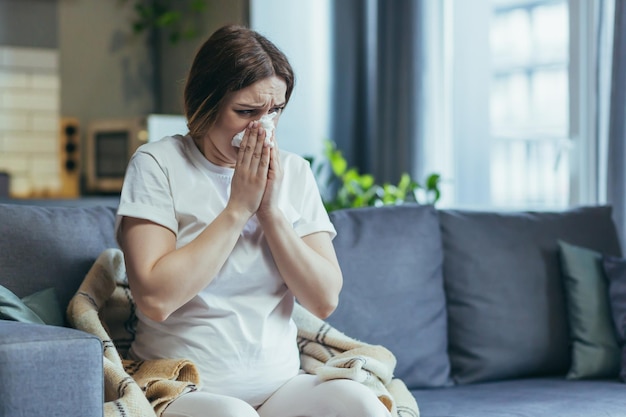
(267, 123)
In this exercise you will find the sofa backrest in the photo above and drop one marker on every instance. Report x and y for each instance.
(391, 258)
(51, 247)
(503, 295)
(507, 316)
(456, 295)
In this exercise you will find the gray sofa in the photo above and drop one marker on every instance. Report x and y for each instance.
(472, 304)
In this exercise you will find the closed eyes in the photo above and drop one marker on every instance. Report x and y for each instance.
(255, 112)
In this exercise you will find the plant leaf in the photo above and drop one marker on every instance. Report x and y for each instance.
(432, 182)
(168, 18)
(366, 181)
(198, 5)
(338, 163)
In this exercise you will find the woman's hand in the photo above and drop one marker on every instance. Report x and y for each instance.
(275, 174)
(251, 171)
(307, 264)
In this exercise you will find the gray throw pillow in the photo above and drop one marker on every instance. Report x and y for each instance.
(507, 316)
(393, 295)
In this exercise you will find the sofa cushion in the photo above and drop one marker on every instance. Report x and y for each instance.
(615, 269)
(595, 352)
(391, 260)
(505, 297)
(532, 397)
(51, 247)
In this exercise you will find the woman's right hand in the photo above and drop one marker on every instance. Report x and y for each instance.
(251, 170)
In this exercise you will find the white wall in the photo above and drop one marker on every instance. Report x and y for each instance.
(301, 29)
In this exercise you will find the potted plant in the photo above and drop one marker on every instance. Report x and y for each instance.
(347, 188)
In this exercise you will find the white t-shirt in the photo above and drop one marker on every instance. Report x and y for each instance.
(238, 329)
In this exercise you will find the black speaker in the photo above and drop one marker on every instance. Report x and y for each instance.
(5, 180)
(69, 157)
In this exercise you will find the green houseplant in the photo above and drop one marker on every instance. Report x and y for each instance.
(169, 16)
(349, 188)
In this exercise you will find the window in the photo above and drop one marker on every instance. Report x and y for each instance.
(529, 103)
(510, 95)
(510, 80)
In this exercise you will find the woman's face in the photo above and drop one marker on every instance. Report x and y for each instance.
(238, 110)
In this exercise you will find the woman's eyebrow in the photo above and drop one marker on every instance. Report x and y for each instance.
(250, 105)
(257, 105)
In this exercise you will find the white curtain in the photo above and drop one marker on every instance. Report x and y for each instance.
(616, 149)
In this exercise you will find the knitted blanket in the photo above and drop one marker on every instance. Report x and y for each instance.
(103, 306)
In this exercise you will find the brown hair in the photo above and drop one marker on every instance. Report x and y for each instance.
(233, 58)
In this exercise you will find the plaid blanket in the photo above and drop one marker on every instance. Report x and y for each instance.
(103, 306)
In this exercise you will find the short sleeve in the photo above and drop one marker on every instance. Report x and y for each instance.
(313, 215)
(146, 193)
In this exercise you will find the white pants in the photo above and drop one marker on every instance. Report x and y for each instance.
(302, 396)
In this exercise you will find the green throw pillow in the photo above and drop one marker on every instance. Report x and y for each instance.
(595, 349)
(40, 308)
(46, 305)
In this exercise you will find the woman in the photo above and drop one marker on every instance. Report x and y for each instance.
(219, 240)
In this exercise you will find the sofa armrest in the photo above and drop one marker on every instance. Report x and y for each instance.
(49, 371)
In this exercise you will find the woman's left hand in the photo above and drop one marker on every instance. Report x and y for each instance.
(269, 203)
(307, 264)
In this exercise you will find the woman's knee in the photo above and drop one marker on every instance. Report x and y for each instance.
(201, 404)
(306, 395)
(356, 399)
